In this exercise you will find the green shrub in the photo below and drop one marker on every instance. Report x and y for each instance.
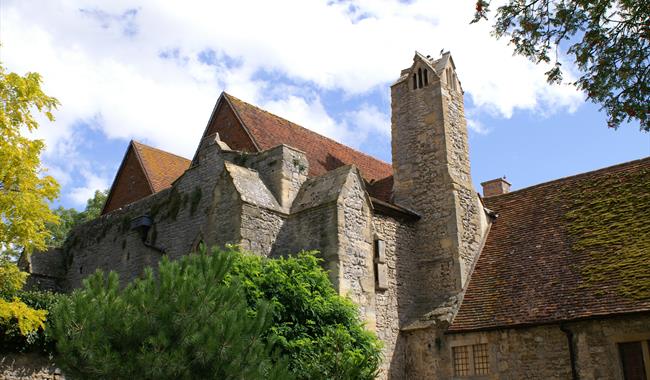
(24, 315)
(317, 329)
(183, 323)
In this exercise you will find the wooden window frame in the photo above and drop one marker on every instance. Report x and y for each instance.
(644, 338)
(469, 344)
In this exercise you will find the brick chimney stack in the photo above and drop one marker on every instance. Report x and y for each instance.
(495, 187)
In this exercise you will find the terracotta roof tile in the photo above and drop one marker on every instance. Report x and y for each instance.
(324, 154)
(572, 248)
(162, 168)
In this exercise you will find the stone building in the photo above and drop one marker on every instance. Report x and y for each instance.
(547, 282)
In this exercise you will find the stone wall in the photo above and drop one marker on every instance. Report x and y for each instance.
(283, 169)
(180, 218)
(539, 352)
(260, 228)
(28, 366)
(398, 236)
(355, 257)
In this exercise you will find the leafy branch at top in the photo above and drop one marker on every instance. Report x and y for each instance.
(609, 41)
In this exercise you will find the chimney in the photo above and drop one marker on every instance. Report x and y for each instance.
(495, 187)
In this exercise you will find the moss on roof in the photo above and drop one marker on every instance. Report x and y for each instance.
(609, 218)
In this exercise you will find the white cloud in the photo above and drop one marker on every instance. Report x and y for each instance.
(369, 117)
(80, 194)
(477, 126)
(104, 61)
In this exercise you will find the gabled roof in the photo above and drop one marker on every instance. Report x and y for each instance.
(144, 170)
(247, 127)
(574, 248)
(324, 154)
(161, 168)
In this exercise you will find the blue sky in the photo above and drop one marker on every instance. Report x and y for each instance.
(151, 71)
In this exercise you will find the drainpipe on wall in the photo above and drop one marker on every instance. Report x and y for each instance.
(572, 354)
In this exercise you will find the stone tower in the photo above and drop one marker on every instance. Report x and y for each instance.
(432, 177)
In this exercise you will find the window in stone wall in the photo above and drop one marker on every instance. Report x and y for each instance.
(471, 360)
(461, 360)
(381, 270)
(635, 360)
(481, 363)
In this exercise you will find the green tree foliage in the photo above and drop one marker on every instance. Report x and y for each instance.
(609, 41)
(183, 323)
(318, 330)
(24, 190)
(21, 323)
(69, 218)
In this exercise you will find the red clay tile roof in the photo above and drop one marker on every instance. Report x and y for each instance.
(144, 170)
(324, 154)
(161, 168)
(573, 248)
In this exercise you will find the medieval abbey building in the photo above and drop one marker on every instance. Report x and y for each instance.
(546, 282)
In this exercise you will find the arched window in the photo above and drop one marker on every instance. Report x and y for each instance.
(426, 77)
(420, 78)
(415, 81)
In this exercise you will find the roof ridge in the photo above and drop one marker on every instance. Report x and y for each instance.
(306, 129)
(159, 150)
(574, 176)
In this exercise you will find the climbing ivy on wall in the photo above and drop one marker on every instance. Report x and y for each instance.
(609, 219)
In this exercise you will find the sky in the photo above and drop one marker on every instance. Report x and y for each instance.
(152, 71)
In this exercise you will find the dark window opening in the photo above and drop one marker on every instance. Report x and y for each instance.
(632, 360)
(426, 77)
(81, 270)
(415, 82)
(419, 78)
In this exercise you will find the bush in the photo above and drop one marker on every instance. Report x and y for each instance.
(317, 329)
(23, 325)
(219, 316)
(183, 323)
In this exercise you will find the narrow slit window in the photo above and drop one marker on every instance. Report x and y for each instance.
(426, 77)
(420, 78)
(381, 270)
(415, 81)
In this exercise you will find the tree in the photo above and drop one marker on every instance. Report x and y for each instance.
(18, 321)
(608, 39)
(185, 322)
(24, 190)
(318, 330)
(69, 218)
